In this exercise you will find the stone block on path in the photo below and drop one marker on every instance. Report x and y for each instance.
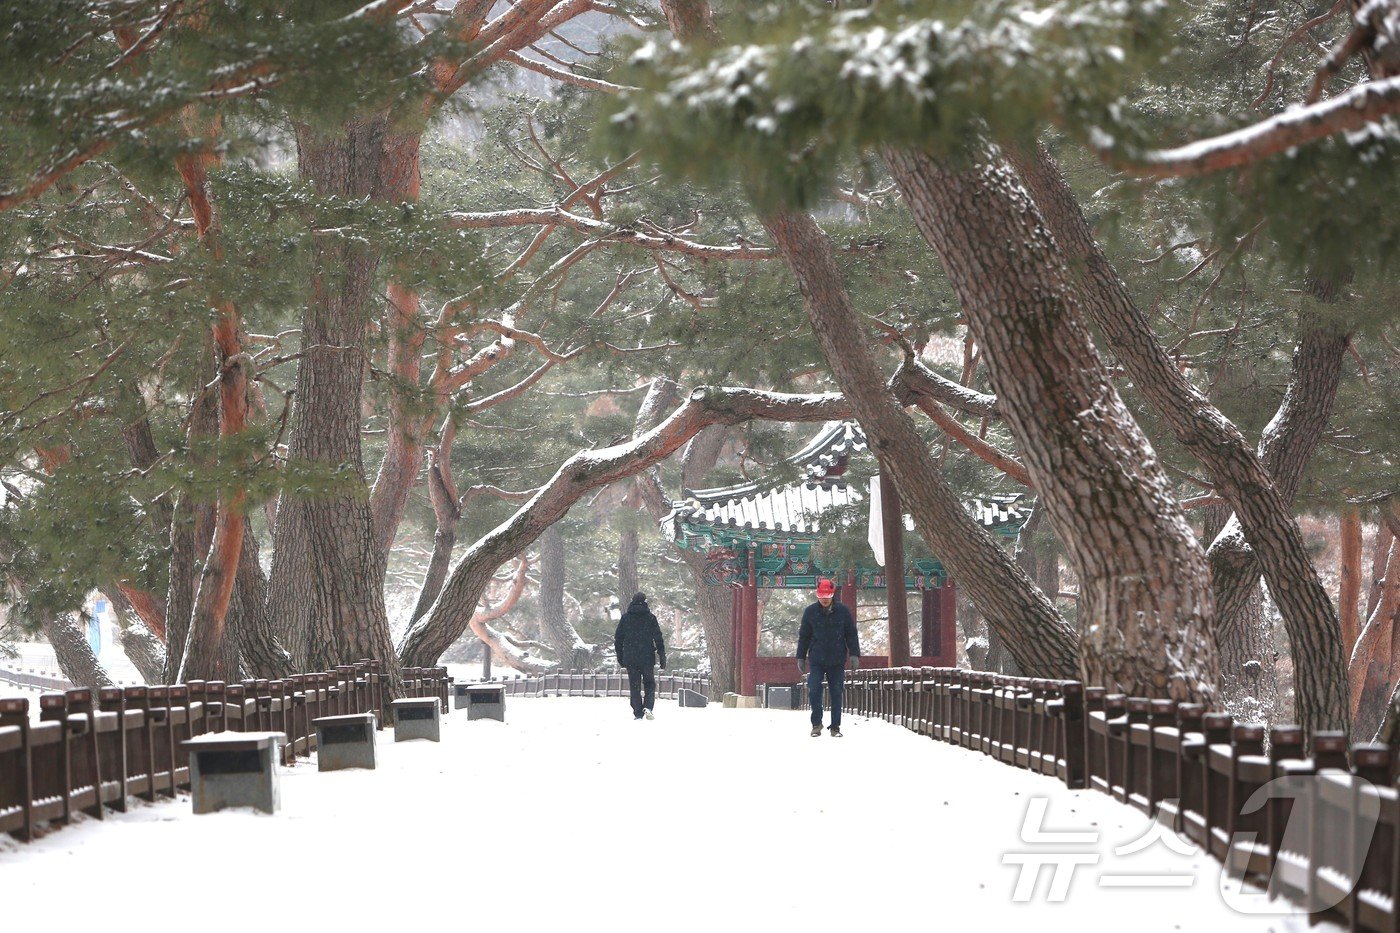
(692, 699)
(486, 701)
(417, 718)
(780, 696)
(345, 742)
(234, 769)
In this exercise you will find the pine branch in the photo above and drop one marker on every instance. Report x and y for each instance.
(1356, 109)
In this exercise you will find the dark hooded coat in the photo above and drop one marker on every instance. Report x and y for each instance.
(638, 637)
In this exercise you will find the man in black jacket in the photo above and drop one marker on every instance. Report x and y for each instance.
(828, 635)
(638, 644)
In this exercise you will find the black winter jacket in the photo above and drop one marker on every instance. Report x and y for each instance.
(638, 639)
(828, 635)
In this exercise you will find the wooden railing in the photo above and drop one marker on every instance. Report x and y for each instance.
(600, 684)
(90, 751)
(32, 681)
(1195, 770)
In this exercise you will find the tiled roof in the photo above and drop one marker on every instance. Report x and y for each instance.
(796, 508)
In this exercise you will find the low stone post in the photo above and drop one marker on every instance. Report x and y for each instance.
(345, 742)
(417, 718)
(234, 769)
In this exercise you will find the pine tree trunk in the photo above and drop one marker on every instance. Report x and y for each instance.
(1374, 667)
(1285, 447)
(1240, 476)
(446, 512)
(409, 423)
(141, 447)
(209, 653)
(191, 531)
(1143, 581)
(628, 578)
(250, 626)
(1043, 645)
(556, 632)
(1380, 553)
(1248, 666)
(711, 602)
(1349, 587)
(326, 586)
(142, 648)
(75, 658)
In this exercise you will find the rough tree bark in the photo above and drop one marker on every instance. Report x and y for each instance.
(1380, 554)
(442, 492)
(410, 414)
(628, 577)
(1372, 669)
(1143, 581)
(325, 588)
(711, 602)
(250, 625)
(142, 648)
(1041, 642)
(574, 653)
(1375, 670)
(1240, 475)
(1349, 585)
(75, 658)
(191, 530)
(209, 653)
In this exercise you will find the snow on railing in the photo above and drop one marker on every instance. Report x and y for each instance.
(600, 684)
(1321, 829)
(91, 750)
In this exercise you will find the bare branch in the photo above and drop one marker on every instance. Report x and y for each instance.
(567, 77)
(605, 232)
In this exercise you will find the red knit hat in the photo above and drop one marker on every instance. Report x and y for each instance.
(825, 588)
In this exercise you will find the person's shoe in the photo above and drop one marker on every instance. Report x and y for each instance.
(637, 718)
(816, 731)
(649, 715)
(836, 732)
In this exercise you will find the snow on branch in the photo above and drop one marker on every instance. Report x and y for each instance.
(1367, 105)
(450, 615)
(914, 379)
(606, 232)
(567, 76)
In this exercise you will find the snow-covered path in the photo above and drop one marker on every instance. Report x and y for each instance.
(573, 816)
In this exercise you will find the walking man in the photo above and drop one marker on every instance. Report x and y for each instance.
(639, 646)
(828, 637)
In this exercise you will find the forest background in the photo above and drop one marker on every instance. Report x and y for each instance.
(335, 330)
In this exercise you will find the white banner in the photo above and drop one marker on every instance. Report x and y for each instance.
(876, 534)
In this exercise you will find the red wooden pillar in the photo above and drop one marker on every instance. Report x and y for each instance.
(736, 612)
(748, 630)
(896, 601)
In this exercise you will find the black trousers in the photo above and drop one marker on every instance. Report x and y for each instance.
(637, 679)
(835, 678)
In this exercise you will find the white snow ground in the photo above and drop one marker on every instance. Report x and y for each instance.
(573, 816)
